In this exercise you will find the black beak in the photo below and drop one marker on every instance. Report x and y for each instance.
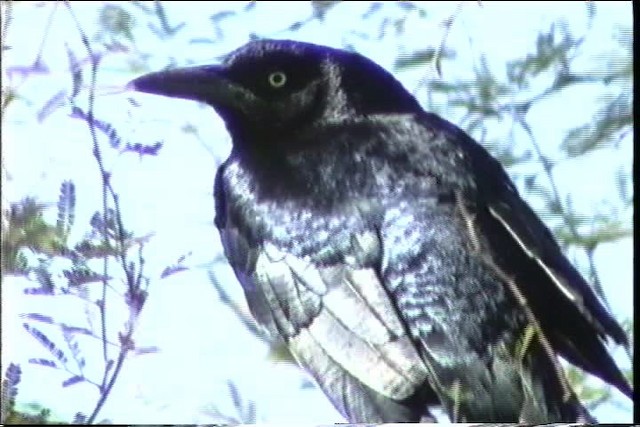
(207, 83)
(204, 83)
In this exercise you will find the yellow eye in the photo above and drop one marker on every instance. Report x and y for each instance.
(277, 79)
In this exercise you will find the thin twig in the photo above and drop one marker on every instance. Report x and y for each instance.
(102, 305)
(133, 281)
(105, 393)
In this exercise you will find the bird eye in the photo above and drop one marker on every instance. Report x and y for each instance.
(277, 79)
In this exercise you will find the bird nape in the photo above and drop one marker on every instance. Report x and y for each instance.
(387, 248)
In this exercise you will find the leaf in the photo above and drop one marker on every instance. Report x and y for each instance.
(144, 149)
(81, 276)
(13, 374)
(175, 268)
(146, 350)
(201, 40)
(623, 179)
(115, 20)
(606, 126)
(165, 28)
(38, 317)
(76, 72)
(606, 232)
(415, 59)
(89, 250)
(66, 209)
(108, 129)
(43, 276)
(374, 7)
(75, 330)
(444, 87)
(10, 388)
(47, 343)
(591, 11)
(307, 384)
(320, 8)
(44, 362)
(37, 291)
(235, 396)
(73, 380)
(249, 415)
(219, 16)
(168, 271)
(72, 345)
(79, 418)
(38, 67)
(109, 366)
(55, 102)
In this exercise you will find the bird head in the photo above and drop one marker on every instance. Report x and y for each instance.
(278, 87)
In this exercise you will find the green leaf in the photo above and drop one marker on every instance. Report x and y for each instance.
(415, 59)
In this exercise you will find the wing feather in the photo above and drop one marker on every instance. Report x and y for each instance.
(349, 316)
(574, 317)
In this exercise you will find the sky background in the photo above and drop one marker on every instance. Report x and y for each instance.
(202, 344)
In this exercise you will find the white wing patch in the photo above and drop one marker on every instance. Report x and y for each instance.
(356, 325)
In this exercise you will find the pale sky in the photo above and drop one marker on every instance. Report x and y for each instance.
(202, 344)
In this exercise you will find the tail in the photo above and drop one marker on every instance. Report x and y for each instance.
(504, 387)
(547, 394)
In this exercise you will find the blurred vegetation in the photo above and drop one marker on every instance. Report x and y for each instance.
(481, 102)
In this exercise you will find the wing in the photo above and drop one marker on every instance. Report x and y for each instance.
(475, 337)
(522, 246)
(335, 317)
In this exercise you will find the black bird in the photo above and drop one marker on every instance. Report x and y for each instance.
(387, 248)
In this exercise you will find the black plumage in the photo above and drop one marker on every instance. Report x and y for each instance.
(387, 248)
